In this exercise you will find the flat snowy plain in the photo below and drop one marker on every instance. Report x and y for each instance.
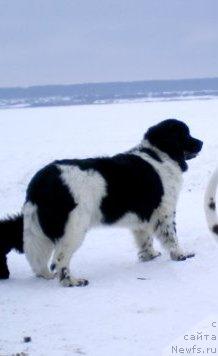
(129, 308)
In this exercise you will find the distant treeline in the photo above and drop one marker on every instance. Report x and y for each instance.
(106, 92)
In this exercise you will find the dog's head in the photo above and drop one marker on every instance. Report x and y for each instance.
(173, 137)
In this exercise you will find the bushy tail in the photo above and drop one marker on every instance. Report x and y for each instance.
(11, 237)
(210, 204)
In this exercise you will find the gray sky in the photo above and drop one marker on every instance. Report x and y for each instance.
(76, 41)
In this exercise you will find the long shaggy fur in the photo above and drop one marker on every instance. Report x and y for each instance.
(210, 204)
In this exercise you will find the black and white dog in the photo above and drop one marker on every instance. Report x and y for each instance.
(137, 189)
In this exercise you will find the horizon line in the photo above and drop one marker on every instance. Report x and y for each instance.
(110, 82)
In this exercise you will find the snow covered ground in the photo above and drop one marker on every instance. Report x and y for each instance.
(129, 308)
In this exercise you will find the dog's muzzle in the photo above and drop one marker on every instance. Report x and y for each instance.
(189, 155)
(193, 147)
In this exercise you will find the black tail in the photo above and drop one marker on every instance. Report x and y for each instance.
(11, 237)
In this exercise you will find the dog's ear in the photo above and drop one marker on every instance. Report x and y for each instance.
(161, 139)
(168, 143)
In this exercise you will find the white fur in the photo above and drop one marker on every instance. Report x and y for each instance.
(38, 248)
(210, 198)
(88, 188)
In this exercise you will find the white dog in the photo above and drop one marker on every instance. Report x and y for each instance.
(210, 204)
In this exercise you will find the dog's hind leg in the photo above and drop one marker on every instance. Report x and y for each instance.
(37, 247)
(38, 250)
(144, 241)
(166, 233)
(65, 247)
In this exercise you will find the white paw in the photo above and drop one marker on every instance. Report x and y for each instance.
(67, 281)
(180, 256)
(46, 274)
(73, 282)
(148, 255)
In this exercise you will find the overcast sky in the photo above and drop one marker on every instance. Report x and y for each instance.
(77, 41)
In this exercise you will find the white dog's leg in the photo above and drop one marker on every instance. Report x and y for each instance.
(64, 249)
(166, 232)
(144, 241)
(37, 247)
